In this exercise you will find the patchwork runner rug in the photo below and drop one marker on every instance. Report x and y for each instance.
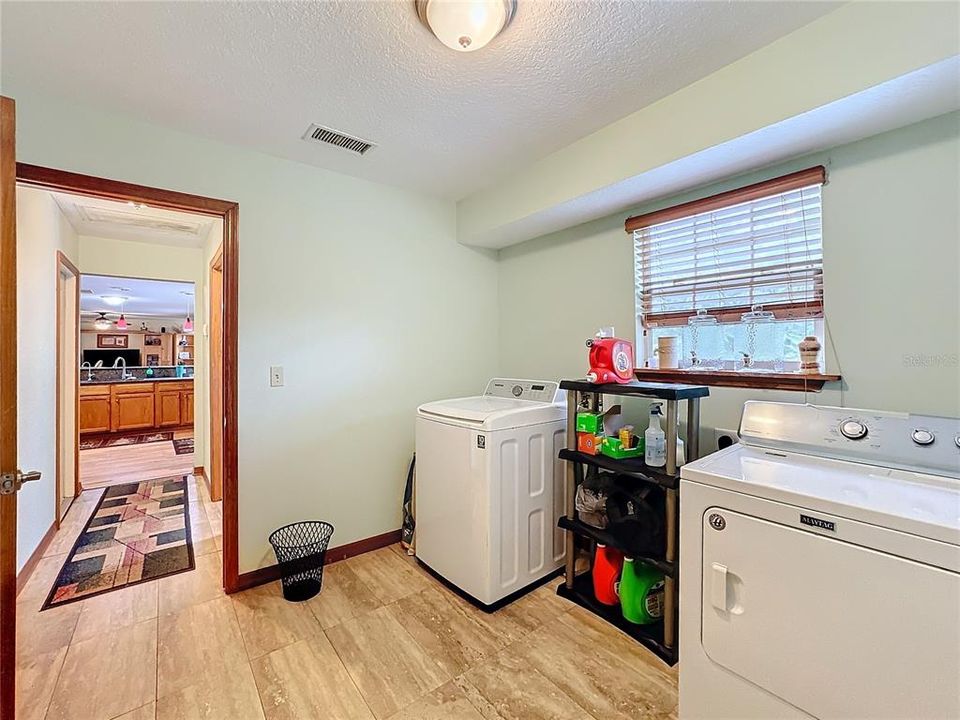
(183, 446)
(138, 532)
(97, 442)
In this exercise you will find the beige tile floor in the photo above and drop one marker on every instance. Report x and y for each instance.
(383, 641)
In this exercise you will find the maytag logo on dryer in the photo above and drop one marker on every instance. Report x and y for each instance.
(481, 441)
(818, 523)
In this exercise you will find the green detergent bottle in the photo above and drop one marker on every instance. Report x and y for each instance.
(641, 592)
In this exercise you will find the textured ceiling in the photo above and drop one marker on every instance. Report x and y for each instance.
(256, 74)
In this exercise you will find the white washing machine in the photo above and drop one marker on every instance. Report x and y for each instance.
(820, 568)
(490, 487)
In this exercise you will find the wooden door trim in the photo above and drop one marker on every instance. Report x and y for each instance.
(214, 475)
(63, 181)
(8, 405)
(63, 263)
(79, 184)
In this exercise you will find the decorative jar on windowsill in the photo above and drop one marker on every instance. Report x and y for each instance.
(809, 354)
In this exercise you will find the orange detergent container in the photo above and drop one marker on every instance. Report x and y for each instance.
(607, 565)
(611, 358)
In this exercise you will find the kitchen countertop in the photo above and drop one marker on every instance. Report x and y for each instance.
(135, 381)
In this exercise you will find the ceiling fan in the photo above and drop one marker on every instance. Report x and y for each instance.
(102, 322)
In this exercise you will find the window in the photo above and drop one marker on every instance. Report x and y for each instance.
(737, 277)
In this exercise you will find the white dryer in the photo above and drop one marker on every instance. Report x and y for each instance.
(820, 568)
(490, 488)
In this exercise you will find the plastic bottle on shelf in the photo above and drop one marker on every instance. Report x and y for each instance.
(641, 592)
(681, 451)
(607, 565)
(655, 444)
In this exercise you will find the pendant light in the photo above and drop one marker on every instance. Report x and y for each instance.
(122, 322)
(188, 323)
(466, 25)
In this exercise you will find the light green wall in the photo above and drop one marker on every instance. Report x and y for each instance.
(359, 290)
(891, 224)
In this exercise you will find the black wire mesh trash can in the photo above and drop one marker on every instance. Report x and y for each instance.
(301, 549)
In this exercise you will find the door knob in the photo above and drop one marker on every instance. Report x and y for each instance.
(11, 482)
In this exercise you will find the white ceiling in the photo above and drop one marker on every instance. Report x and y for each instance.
(256, 74)
(145, 298)
(140, 223)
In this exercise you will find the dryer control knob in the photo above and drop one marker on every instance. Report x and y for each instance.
(922, 437)
(853, 429)
(957, 441)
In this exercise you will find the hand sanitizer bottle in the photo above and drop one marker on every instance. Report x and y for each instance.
(655, 453)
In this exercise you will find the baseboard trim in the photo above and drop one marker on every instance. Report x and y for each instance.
(264, 575)
(31, 564)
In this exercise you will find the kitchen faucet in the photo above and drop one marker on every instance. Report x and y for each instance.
(86, 364)
(121, 362)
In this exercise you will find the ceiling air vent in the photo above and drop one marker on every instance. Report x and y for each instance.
(338, 139)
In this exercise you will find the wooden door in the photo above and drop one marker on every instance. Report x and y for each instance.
(186, 407)
(216, 376)
(132, 411)
(168, 408)
(8, 407)
(94, 411)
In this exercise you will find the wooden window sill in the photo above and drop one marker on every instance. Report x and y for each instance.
(738, 378)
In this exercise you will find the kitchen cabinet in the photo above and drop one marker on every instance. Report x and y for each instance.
(174, 404)
(133, 407)
(186, 407)
(168, 408)
(94, 408)
(129, 405)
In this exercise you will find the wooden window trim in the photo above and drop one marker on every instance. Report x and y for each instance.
(797, 382)
(785, 183)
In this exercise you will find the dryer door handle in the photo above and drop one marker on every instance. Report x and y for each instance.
(718, 586)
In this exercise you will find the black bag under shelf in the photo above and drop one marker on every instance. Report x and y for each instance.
(635, 517)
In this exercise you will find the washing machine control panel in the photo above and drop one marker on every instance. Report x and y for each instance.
(853, 429)
(923, 443)
(536, 390)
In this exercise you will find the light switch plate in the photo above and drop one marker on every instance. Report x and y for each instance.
(276, 376)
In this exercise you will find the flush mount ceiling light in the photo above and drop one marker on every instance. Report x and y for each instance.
(117, 298)
(466, 25)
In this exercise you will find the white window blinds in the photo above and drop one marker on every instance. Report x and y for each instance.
(760, 245)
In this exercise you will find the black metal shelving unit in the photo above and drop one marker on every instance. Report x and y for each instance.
(660, 637)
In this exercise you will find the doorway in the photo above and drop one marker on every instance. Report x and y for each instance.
(137, 347)
(228, 266)
(67, 486)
